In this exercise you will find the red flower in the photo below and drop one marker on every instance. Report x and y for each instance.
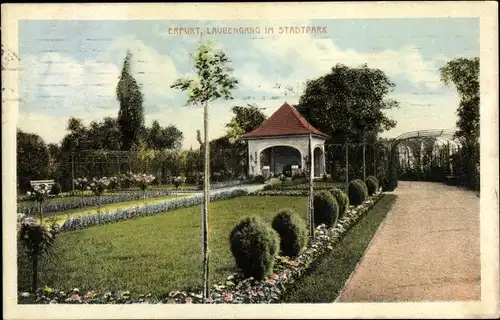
(228, 297)
(275, 276)
(188, 300)
(260, 293)
(271, 281)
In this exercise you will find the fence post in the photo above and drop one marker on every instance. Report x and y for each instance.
(347, 164)
(364, 163)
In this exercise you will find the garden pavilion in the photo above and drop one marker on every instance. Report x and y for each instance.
(281, 143)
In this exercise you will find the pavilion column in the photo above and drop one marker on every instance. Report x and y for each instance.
(271, 161)
(303, 154)
(323, 161)
(258, 169)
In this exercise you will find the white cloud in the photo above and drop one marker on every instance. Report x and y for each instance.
(423, 111)
(311, 57)
(154, 70)
(57, 79)
(52, 128)
(307, 56)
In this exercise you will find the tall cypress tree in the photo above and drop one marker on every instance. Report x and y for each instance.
(131, 114)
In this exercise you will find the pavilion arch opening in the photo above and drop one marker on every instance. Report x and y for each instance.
(279, 159)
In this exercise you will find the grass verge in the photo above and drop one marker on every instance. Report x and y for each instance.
(324, 282)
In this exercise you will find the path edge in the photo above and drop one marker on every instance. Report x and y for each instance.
(380, 226)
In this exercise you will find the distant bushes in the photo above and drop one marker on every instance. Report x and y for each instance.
(326, 209)
(254, 246)
(292, 231)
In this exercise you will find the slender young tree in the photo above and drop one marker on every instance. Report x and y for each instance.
(131, 114)
(212, 80)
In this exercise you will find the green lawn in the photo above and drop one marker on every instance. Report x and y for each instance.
(155, 254)
(325, 281)
(60, 216)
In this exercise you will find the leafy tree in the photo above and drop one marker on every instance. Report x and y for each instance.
(349, 105)
(463, 73)
(358, 94)
(33, 159)
(163, 138)
(131, 114)
(56, 157)
(245, 119)
(212, 81)
(104, 135)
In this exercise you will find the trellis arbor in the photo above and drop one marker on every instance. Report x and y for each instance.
(96, 163)
(349, 161)
(226, 164)
(430, 155)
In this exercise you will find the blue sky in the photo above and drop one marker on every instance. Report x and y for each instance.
(70, 68)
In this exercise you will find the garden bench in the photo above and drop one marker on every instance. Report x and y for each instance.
(39, 182)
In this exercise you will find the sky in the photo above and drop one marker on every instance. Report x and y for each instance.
(71, 68)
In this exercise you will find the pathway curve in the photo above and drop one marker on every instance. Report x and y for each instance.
(426, 249)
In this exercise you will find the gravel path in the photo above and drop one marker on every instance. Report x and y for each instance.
(426, 249)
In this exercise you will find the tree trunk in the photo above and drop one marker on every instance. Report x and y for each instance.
(34, 283)
(206, 200)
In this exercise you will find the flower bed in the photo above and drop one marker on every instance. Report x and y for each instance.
(145, 210)
(91, 201)
(298, 187)
(84, 202)
(297, 193)
(235, 289)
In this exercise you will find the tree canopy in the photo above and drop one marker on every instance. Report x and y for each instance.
(245, 119)
(33, 159)
(463, 73)
(349, 103)
(213, 78)
(131, 114)
(159, 138)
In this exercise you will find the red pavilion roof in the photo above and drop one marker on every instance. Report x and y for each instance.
(286, 121)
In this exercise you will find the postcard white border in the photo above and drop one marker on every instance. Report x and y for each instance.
(489, 220)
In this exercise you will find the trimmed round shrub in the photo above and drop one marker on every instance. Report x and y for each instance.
(292, 231)
(342, 200)
(326, 209)
(357, 192)
(56, 189)
(374, 179)
(372, 186)
(254, 246)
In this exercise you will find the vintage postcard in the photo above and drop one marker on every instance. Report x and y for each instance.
(250, 160)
